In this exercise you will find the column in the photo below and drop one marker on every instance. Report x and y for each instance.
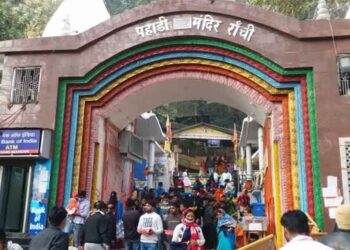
(248, 151)
(151, 155)
(241, 152)
(261, 147)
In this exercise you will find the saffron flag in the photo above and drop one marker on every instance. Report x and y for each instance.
(169, 133)
(235, 135)
(235, 141)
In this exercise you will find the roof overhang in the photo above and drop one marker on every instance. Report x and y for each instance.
(203, 131)
(148, 127)
(141, 98)
(249, 132)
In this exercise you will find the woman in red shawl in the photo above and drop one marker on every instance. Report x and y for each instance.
(187, 235)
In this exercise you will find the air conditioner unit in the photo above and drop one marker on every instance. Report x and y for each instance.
(131, 146)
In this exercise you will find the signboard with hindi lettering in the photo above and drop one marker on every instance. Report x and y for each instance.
(205, 22)
(20, 141)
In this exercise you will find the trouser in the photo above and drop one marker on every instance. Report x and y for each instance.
(148, 246)
(76, 232)
(132, 245)
(93, 246)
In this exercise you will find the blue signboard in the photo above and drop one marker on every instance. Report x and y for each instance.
(37, 217)
(40, 197)
(19, 141)
(213, 143)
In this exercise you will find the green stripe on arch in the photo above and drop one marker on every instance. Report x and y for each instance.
(190, 41)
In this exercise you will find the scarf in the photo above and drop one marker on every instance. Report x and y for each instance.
(226, 220)
(192, 225)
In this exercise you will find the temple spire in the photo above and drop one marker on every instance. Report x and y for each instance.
(322, 11)
(76, 16)
(347, 16)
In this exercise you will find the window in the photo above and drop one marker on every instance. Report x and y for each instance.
(344, 74)
(344, 144)
(25, 85)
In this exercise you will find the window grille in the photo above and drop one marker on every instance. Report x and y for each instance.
(344, 146)
(344, 74)
(25, 85)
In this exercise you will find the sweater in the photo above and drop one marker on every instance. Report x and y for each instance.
(130, 221)
(179, 234)
(150, 221)
(52, 238)
(95, 230)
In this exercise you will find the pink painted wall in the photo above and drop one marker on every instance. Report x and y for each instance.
(112, 167)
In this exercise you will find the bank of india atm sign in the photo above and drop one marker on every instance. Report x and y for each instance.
(19, 141)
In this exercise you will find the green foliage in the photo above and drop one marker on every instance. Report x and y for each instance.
(36, 14)
(118, 6)
(192, 112)
(28, 18)
(11, 24)
(25, 18)
(301, 9)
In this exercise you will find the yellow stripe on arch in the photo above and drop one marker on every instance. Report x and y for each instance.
(78, 146)
(294, 151)
(278, 215)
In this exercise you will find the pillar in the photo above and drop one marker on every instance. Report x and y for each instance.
(151, 156)
(248, 151)
(261, 147)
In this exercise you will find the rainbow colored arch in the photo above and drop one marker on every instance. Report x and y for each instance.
(292, 89)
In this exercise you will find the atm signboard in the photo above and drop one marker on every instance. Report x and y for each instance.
(20, 141)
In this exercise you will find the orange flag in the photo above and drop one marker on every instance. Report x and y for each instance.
(235, 141)
(235, 135)
(169, 132)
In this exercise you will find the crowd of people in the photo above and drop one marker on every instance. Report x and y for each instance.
(153, 219)
(206, 218)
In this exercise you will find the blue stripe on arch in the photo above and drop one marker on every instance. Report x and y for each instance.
(301, 150)
(162, 57)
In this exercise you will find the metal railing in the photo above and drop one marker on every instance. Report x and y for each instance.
(266, 243)
(345, 84)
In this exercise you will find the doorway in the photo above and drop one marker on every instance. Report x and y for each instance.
(14, 185)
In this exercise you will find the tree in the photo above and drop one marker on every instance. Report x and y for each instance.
(36, 14)
(11, 24)
(117, 6)
(301, 9)
(188, 113)
(25, 18)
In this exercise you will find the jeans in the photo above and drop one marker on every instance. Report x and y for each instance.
(76, 231)
(148, 246)
(69, 227)
(132, 245)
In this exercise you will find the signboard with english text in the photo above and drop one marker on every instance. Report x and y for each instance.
(20, 141)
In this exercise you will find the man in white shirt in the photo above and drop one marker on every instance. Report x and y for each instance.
(296, 232)
(80, 216)
(225, 176)
(150, 227)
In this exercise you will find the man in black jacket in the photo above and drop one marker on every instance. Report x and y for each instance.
(130, 219)
(111, 218)
(52, 238)
(95, 234)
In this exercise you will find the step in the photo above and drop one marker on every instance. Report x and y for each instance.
(22, 239)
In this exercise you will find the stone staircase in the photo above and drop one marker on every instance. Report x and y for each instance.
(22, 239)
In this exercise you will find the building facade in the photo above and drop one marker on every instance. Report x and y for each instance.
(281, 71)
